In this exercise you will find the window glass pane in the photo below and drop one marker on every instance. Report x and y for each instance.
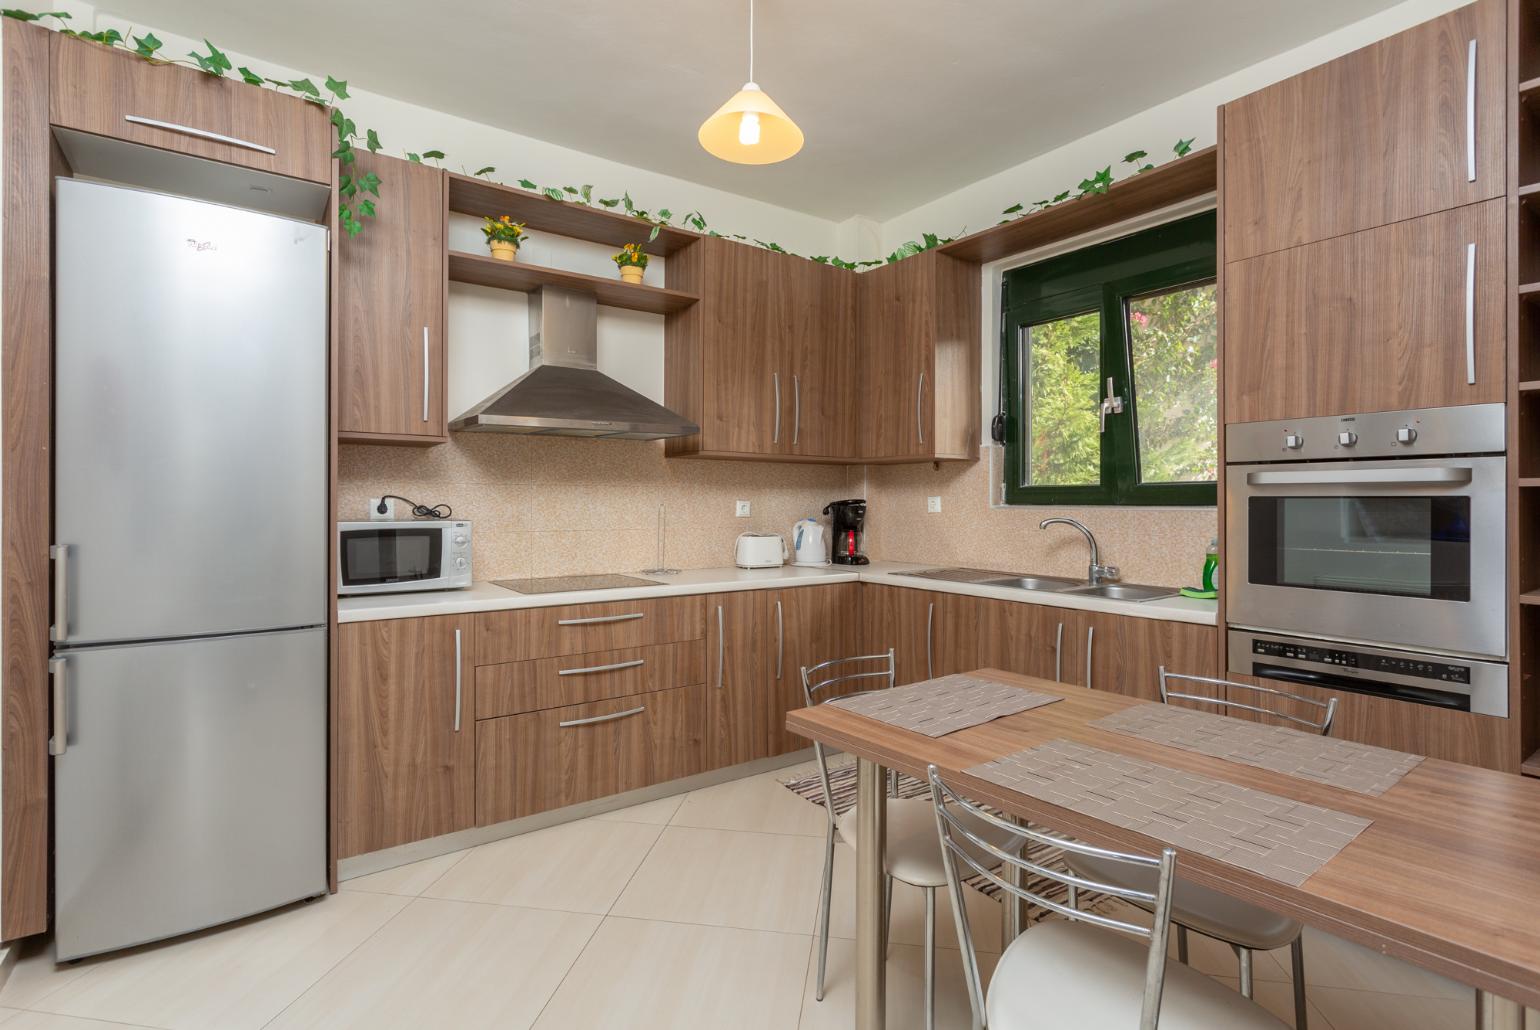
(1172, 337)
(1063, 373)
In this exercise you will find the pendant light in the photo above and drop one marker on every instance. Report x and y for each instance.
(750, 129)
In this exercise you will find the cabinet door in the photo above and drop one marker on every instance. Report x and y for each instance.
(1029, 639)
(390, 326)
(1374, 321)
(932, 634)
(1124, 655)
(406, 752)
(818, 352)
(1375, 137)
(806, 626)
(894, 328)
(735, 678)
(745, 390)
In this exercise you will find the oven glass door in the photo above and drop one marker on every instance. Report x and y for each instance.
(374, 557)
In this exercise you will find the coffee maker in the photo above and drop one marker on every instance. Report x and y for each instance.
(848, 517)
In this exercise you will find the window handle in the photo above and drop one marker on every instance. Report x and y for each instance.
(1112, 404)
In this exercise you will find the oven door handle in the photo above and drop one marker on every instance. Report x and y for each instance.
(1356, 477)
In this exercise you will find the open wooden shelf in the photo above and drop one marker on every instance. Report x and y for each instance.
(1529, 89)
(1528, 291)
(1167, 184)
(1531, 765)
(1529, 386)
(1530, 597)
(542, 214)
(524, 277)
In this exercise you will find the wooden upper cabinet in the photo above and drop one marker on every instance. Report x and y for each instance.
(114, 93)
(814, 311)
(918, 346)
(1371, 321)
(1375, 137)
(390, 325)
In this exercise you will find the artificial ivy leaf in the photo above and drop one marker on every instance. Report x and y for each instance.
(526, 184)
(488, 170)
(366, 208)
(665, 214)
(250, 77)
(1183, 146)
(625, 198)
(147, 44)
(588, 193)
(337, 87)
(372, 141)
(1012, 209)
(1146, 168)
(573, 190)
(608, 201)
(654, 234)
(820, 260)
(347, 185)
(371, 182)
(553, 193)
(19, 14)
(698, 221)
(216, 56)
(436, 155)
(931, 240)
(1137, 155)
(416, 159)
(305, 87)
(1061, 197)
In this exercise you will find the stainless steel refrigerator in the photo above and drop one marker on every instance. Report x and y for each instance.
(190, 526)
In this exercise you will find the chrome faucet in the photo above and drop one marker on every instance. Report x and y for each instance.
(1098, 571)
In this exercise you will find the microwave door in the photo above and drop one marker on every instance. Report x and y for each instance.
(378, 559)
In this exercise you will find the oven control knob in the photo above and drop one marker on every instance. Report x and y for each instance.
(1406, 434)
(460, 539)
(459, 563)
(1293, 441)
(1347, 438)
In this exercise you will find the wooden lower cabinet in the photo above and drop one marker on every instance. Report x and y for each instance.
(1124, 655)
(931, 633)
(405, 769)
(736, 647)
(807, 625)
(1030, 639)
(526, 764)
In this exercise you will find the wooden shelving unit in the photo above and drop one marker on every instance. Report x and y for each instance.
(524, 277)
(478, 197)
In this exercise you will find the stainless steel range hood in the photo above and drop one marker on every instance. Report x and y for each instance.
(564, 393)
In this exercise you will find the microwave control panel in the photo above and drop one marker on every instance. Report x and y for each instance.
(1419, 667)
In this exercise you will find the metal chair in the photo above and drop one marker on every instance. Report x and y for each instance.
(1074, 972)
(1246, 928)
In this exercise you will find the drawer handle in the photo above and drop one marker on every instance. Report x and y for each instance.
(633, 664)
(595, 620)
(603, 718)
(459, 681)
(188, 130)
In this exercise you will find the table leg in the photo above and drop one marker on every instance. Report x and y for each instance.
(871, 838)
(1494, 1013)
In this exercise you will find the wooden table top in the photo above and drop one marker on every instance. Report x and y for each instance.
(1447, 877)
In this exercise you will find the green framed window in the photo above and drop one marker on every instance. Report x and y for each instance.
(1110, 372)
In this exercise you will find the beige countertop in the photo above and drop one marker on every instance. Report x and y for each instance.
(488, 597)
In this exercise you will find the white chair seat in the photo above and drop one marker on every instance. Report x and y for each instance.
(1063, 974)
(1207, 911)
(913, 852)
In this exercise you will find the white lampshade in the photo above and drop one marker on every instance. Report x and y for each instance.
(726, 135)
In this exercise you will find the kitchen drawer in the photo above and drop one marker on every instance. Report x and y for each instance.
(515, 687)
(517, 636)
(97, 90)
(564, 756)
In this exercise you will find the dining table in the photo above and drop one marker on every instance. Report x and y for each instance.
(1446, 876)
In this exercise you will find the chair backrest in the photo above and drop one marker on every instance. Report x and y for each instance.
(960, 844)
(822, 678)
(1261, 696)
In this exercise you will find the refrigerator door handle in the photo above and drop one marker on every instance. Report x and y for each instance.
(60, 629)
(59, 742)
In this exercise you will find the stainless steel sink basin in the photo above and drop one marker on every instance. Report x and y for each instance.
(957, 575)
(1034, 582)
(1123, 591)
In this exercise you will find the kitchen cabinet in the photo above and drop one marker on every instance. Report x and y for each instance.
(736, 650)
(516, 687)
(406, 748)
(917, 337)
(1381, 135)
(113, 93)
(1124, 654)
(1410, 315)
(1030, 639)
(806, 626)
(931, 633)
(529, 633)
(390, 319)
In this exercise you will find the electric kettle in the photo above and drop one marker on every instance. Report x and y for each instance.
(808, 542)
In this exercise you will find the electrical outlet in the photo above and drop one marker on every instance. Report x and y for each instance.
(741, 509)
(933, 505)
(375, 515)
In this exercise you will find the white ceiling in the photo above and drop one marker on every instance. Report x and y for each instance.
(901, 100)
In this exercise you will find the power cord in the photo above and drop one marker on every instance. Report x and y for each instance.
(419, 511)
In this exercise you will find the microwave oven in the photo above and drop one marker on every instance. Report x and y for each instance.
(391, 557)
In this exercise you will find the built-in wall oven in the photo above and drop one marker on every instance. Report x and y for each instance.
(1386, 530)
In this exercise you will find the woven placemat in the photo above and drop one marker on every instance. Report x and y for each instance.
(1279, 838)
(1361, 768)
(946, 704)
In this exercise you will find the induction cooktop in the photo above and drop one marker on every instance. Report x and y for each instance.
(563, 584)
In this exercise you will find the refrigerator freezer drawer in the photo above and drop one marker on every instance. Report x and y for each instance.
(192, 789)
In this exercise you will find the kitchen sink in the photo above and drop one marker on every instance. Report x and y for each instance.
(1122, 591)
(958, 575)
(1034, 582)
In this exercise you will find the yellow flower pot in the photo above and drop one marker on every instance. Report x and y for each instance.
(503, 250)
(632, 274)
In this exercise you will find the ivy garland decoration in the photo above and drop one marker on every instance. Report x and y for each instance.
(358, 192)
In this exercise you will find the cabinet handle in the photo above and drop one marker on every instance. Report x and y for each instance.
(930, 621)
(1090, 646)
(721, 644)
(602, 718)
(780, 639)
(1470, 113)
(60, 630)
(919, 409)
(594, 620)
(458, 681)
(1058, 655)
(634, 663)
(775, 377)
(796, 408)
(426, 373)
(188, 130)
(1470, 314)
(59, 742)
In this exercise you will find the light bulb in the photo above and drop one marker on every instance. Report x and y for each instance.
(748, 128)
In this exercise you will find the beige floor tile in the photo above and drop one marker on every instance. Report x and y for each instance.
(645, 975)
(232, 978)
(574, 867)
(757, 803)
(654, 813)
(1278, 998)
(1333, 962)
(1218, 959)
(15, 1019)
(754, 881)
(906, 988)
(35, 976)
(908, 925)
(1372, 1010)
(408, 880)
(448, 964)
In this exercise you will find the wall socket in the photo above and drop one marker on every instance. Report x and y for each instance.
(933, 505)
(741, 509)
(374, 509)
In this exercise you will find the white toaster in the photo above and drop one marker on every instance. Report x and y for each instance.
(760, 551)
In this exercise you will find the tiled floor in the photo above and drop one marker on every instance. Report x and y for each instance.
(694, 911)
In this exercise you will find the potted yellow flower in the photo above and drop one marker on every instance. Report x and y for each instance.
(503, 237)
(633, 263)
